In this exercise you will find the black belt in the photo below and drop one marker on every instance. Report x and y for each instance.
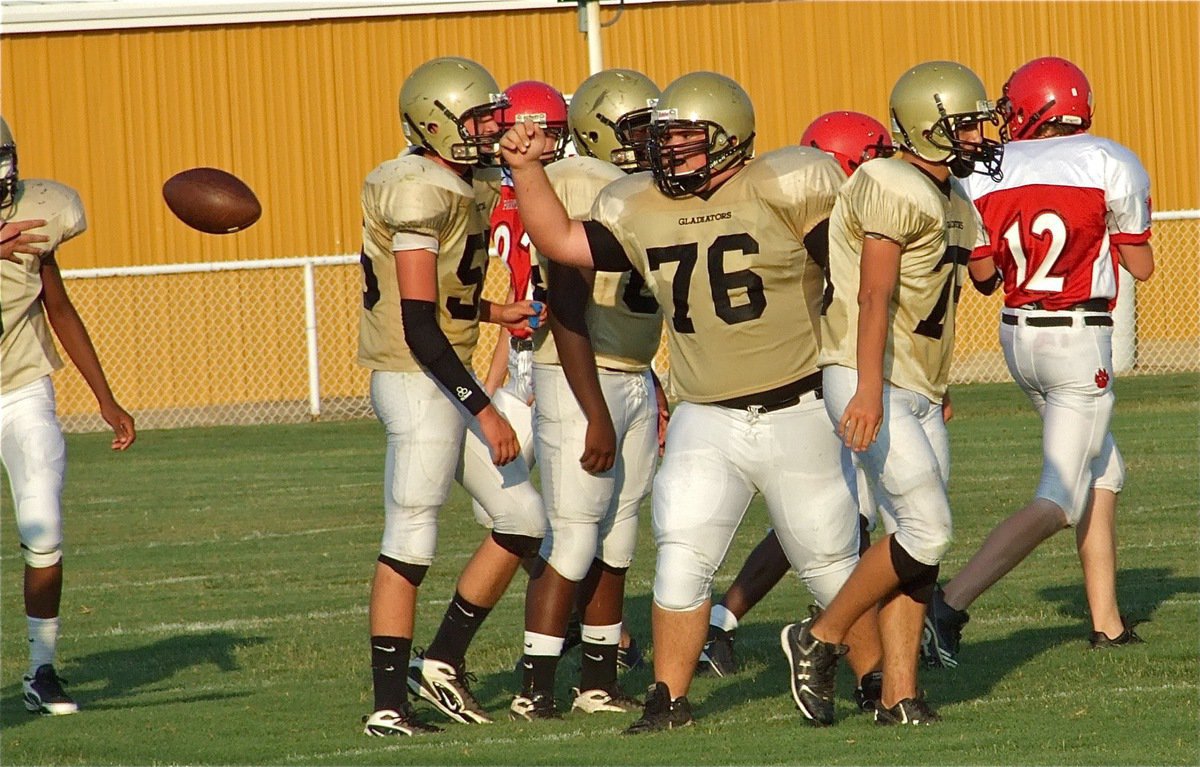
(521, 344)
(777, 398)
(1056, 322)
(1091, 305)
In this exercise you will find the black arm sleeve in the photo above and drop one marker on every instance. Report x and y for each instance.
(431, 348)
(607, 253)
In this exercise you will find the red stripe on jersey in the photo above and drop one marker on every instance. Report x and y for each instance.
(1051, 244)
(982, 252)
(512, 245)
(1122, 238)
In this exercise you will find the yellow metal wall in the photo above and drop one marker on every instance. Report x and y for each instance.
(303, 111)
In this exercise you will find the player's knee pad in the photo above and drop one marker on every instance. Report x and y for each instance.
(521, 546)
(681, 581)
(410, 533)
(571, 548)
(39, 559)
(414, 574)
(917, 579)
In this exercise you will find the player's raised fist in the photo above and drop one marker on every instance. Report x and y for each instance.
(523, 145)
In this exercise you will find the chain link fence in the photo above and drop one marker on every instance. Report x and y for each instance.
(276, 341)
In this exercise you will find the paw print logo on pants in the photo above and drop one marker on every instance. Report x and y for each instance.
(1101, 378)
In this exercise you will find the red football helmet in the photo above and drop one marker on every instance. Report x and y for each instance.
(543, 104)
(1046, 90)
(851, 137)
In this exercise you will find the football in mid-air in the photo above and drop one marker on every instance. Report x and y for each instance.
(211, 200)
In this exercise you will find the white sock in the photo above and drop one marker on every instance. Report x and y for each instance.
(43, 640)
(543, 644)
(602, 635)
(723, 619)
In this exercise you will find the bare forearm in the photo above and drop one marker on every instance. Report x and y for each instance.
(579, 366)
(1138, 260)
(872, 338)
(76, 342)
(499, 366)
(569, 296)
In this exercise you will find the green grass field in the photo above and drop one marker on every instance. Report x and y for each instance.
(217, 581)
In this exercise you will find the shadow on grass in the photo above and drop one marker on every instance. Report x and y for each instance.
(1140, 591)
(983, 664)
(133, 671)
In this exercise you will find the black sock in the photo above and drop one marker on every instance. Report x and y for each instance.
(539, 672)
(597, 666)
(458, 628)
(389, 671)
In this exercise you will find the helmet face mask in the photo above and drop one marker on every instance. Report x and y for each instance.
(447, 106)
(633, 132)
(8, 166)
(700, 115)
(671, 145)
(479, 135)
(932, 104)
(1045, 91)
(609, 117)
(967, 155)
(540, 103)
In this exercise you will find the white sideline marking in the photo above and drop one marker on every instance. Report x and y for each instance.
(158, 582)
(255, 535)
(233, 624)
(237, 624)
(993, 699)
(407, 744)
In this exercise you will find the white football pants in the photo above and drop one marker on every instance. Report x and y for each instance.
(907, 466)
(593, 516)
(425, 429)
(1067, 374)
(716, 458)
(35, 457)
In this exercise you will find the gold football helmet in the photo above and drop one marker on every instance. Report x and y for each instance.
(8, 165)
(700, 101)
(440, 98)
(930, 103)
(610, 114)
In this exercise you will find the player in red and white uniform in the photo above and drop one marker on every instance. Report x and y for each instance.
(544, 104)
(1070, 207)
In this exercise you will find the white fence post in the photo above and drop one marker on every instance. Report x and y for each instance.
(310, 334)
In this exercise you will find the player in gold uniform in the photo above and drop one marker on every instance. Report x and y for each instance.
(423, 258)
(900, 237)
(40, 216)
(597, 414)
(724, 245)
(852, 138)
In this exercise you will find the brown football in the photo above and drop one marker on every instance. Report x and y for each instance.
(211, 200)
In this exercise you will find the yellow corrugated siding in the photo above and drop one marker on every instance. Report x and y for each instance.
(303, 111)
